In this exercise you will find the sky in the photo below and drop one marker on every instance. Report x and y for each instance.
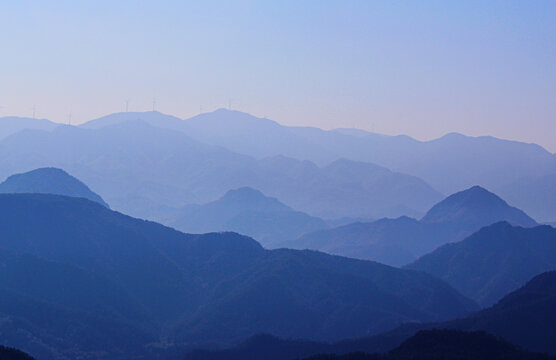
(421, 68)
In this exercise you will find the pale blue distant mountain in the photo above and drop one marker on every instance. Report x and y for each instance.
(451, 163)
(12, 124)
(250, 212)
(474, 208)
(139, 168)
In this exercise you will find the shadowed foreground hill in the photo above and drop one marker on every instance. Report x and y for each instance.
(447, 345)
(494, 261)
(7, 353)
(248, 211)
(80, 280)
(49, 181)
(399, 241)
(526, 317)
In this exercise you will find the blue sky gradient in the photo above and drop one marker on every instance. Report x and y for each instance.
(395, 67)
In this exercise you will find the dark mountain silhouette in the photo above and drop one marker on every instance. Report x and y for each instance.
(139, 169)
(150, 284)
(248, 211)
(49, 181)
(399, 241)
(525, 317)
(8, 353)
(494, 261)
(474, 208)
(447, 345)
(272, 348)
(12, 124)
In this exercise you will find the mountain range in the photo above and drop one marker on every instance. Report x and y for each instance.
(146, 171)
(399, 241)
(80, 280)
(449, 164)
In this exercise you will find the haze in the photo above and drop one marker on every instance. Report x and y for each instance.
(422, 69)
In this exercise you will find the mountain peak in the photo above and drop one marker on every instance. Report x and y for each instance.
(252, 198)
(49, 180)
(478, 207)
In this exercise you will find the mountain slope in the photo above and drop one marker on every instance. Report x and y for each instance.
(249, 212)
(399, 241)
(188, 289)
(12, 124)
(494, 261)
(525, 317)
(49, 181)
(474, 208)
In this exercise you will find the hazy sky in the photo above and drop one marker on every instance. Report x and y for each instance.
(422, 68)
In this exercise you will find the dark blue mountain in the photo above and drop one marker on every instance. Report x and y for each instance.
(494, 261)
(526, 318)
(447, 345)
(80, 280)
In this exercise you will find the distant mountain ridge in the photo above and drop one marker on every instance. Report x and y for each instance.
(248, 211)
(49, 181)
(399, 241)
(140, 169)
(450, 163)
(10, 125)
